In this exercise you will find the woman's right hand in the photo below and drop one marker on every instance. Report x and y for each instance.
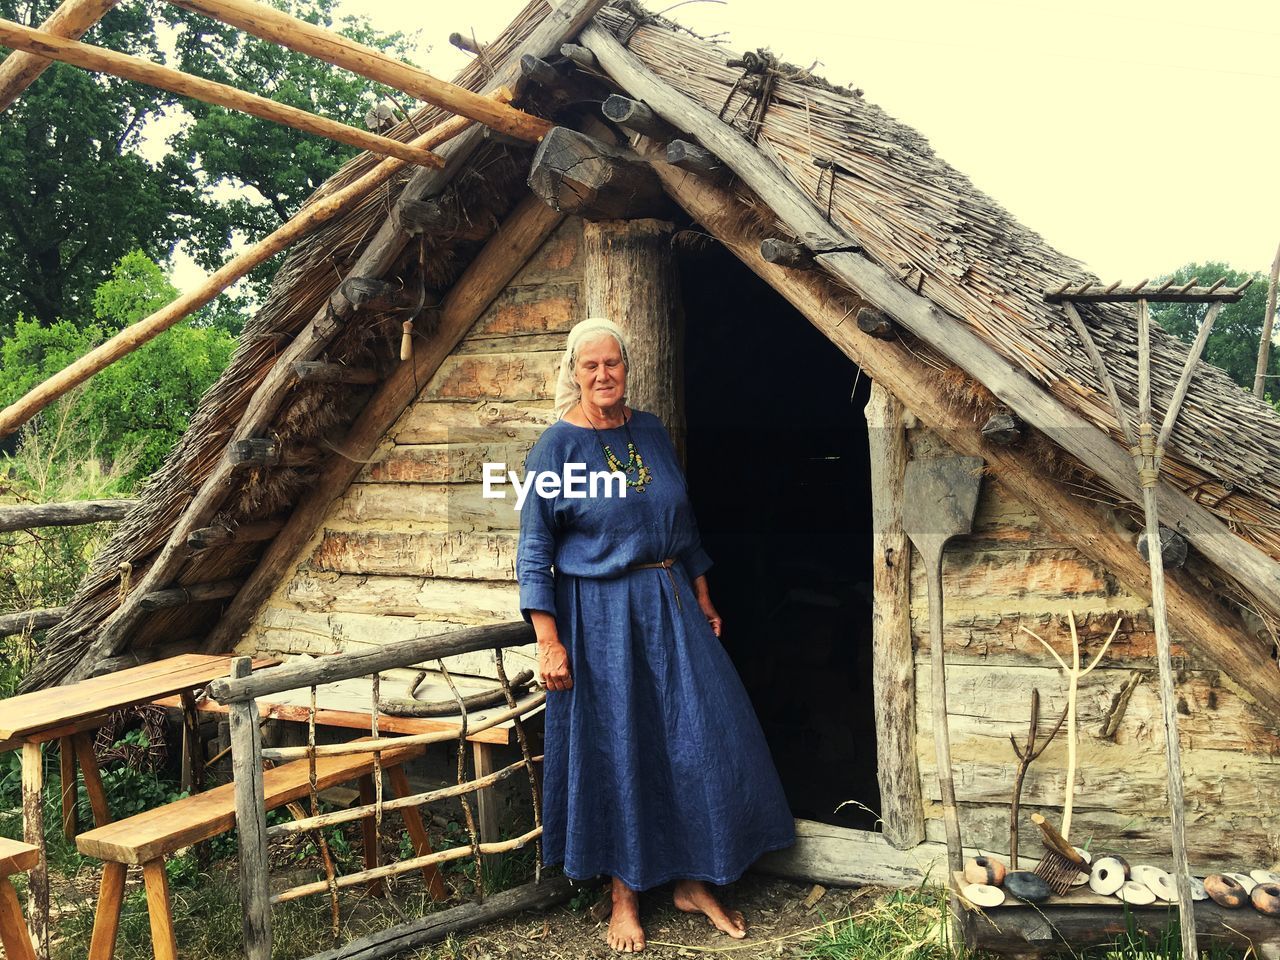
(553, 659)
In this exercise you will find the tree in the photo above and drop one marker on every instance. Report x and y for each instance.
(1233, 344)
(75, 193)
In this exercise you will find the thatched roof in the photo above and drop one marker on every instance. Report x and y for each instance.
(880, 181)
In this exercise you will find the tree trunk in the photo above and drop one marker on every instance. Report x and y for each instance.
(631, 279)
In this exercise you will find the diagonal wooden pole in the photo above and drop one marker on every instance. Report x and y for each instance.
(72, 20)
(53, 47)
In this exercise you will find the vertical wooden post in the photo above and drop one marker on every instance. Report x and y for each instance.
(33, 833)
(893, 665)
(486, 800)
(251, 820)
(630, 277)
(192, 748)
(67, 768)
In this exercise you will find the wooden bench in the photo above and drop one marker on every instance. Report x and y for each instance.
(146, 839)
(15, 857)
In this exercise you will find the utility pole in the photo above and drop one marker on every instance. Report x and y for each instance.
(1260, 375)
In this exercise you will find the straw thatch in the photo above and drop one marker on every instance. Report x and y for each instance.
(878, 179)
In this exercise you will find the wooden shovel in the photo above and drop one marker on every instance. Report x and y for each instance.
(939, 500)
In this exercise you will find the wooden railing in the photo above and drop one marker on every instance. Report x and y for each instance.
(239, 693)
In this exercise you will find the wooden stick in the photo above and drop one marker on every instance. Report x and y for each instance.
(33, 833)
(135, 335)
(268, 23)
(26, 516)
(405, 866)
(1268, 320)
(1168, 696)
(196, 593)
(386, 743)
(251, 821)
(72, 19)
(443, 708)
(50, 45)
(29, 621)
(1026, 756)
(1100, 368)
(1184, 381)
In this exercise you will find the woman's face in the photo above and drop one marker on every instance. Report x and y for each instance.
(600, 372)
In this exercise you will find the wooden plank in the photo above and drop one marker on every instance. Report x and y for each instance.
(160, 831)
(72, 19)
(33, 834)
(92, 777)
(516, 240)
(106, 920)
(1195, 610)
(476, 556)
(1257, 573)
(527, 343)
(278, 27)
(460, 601)
(513, 376)
(13, 928)
(844, 857)
(893, 667)
(444, 462)
(16, 856)
(526, 309)
(442, 422)
(164, 944)
(25, 516)
(452, 507)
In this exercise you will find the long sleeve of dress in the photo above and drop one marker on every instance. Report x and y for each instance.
(536, 551)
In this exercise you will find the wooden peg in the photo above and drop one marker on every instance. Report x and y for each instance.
(406, 340)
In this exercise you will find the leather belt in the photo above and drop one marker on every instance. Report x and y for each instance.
(661, 565)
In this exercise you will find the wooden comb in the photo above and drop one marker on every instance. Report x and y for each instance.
(1060, 864)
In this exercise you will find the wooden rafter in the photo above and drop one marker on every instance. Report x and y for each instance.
(1254, 570)
(72, 20)
(135, 335)
(378, 256)
(516, 240)
(268, 23)
(53, 47)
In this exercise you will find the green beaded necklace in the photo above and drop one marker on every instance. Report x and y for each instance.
(634, 464)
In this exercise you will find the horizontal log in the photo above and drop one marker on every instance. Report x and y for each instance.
(440, 219)
(1003, 428)
(30, 620)
(221, 536)
(840, 856)
(689, 156)
(443, 462)
(635, 116)
(72, 19)
(292, 676)
(876, 323)
(26, 516)
(580, 55)
(1099, 294)
(196, 593)
(579, 175)
(786, 254)
(453, 507)
(451, 422)
(53, 47)
(370, 293)
(318, 371)
(545, 307)
(466, 43)
(465, 602)
(268, 453)
(478, 556)
(538, 71)
(516, 376)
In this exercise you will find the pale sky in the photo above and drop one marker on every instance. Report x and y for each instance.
(1134, 135)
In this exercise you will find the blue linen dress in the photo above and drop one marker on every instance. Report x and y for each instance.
(655, 764)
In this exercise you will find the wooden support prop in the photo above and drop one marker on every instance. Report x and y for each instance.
(251, 820)
(1002, 428)
(1194, 609)
(467, 43)
(135, 335)
(261, 452)
(29, 621)
(67, 787)
(580, 55)
(1254, 570)
(876, 323)
(72, 20)
(370, 293)
(266, 22)
(317, 371)
(635, 116)
(892, 659)
(27, 516)
(196, 593)
(439, 217)
(49, 45)
(689, 156)
(784, 253)
(582, 176)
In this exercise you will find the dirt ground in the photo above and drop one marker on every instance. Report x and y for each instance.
(775, 911)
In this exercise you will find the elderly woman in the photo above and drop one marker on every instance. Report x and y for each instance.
(655, 768)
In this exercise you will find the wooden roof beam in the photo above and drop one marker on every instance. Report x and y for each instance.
(71, 20)
(89, 57)
(270, 24)
(1253, 569)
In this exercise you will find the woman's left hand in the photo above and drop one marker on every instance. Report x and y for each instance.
(709, 610)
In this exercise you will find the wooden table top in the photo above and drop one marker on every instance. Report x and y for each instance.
(43, 712)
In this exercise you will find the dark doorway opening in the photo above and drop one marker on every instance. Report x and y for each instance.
(778, 470)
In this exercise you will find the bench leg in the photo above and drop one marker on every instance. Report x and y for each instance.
(482, 755)
(417, 832)
(106, 921)
(67, 768)
(92, 779)
(13, 929)
(160, 910)
(369, 829)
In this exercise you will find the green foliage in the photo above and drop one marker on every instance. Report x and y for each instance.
(1233, 344)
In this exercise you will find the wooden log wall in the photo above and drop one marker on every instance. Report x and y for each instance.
(1011, 572)
(413, 548)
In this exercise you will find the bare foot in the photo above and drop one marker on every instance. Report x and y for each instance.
(693, 896)
(625, 933)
